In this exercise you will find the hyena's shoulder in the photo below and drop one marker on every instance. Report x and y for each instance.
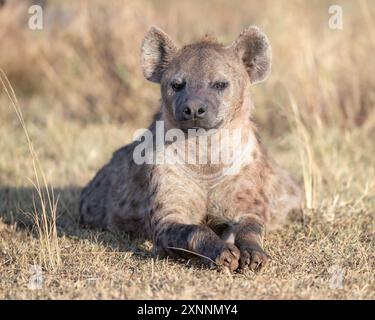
(262, 189)
(118, 195)
(100, 199)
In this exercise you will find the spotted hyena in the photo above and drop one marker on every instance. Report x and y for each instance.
(198, 209)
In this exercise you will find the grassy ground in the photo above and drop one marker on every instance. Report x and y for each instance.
(339, 236)
(316, 115)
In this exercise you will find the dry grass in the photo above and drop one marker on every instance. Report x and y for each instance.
(44, 218)
(83, 97)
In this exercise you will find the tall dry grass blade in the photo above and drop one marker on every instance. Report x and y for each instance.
(306, 156)
(45, 209)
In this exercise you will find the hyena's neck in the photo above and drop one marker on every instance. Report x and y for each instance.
(218, 153)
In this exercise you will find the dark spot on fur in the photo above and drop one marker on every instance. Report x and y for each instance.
(152, 192)
(81, 220)
(88, 210)
(80, 206)
(140, 177)
(134, 204)
(123, 202)
(158, 206)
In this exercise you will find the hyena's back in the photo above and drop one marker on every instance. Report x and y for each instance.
(117, 197)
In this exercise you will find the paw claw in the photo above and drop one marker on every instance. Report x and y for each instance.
(254, 258)
(228, 257)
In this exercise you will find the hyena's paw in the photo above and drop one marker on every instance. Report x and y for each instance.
(253, 257)
(228, 256)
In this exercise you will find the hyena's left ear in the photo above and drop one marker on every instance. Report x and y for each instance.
(254, 50)
(156, 53)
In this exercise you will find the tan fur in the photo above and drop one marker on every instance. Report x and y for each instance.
(222, 217)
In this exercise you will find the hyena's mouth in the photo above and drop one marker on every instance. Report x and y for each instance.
(200, 127)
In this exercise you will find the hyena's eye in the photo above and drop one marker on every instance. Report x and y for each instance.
(220, 85)
(178, 85)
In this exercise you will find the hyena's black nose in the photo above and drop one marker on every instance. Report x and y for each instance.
(194, 111)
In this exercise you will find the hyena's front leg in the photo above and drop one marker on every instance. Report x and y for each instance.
(249, 240)
(172, 238)
(178, 207)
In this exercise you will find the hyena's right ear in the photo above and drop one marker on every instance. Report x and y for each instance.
(156, 53)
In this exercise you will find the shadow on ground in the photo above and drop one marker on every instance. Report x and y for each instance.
(16, 209)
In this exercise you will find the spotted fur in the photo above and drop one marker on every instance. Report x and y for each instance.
(223, 218)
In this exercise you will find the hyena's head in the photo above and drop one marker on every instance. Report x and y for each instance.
(203, 84)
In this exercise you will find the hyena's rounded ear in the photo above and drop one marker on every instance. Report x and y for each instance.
(156, 52)
(254, 50)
